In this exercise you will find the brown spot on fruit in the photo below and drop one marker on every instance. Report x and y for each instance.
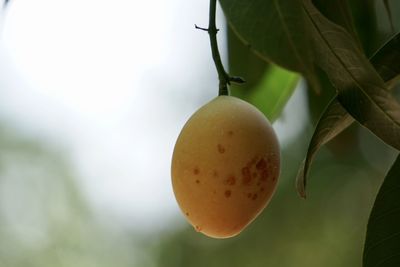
(254, 197)
(215, 173)
(230, 133)
(231, 180)
(246, 176)
(249, 195)
(197, 228)
(228, 193)
(261, 164)
(196, 171)
(264, 175)
(187, 214)
(262, 189)
(252, 162)
(197, 181)
(221, 148)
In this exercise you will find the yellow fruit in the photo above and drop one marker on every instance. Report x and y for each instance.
(225, 166)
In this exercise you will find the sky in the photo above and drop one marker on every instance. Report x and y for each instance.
(110, 84)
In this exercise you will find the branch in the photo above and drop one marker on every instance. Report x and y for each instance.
(223, 76)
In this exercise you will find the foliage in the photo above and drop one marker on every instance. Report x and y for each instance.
(325, 39)
(383, 235)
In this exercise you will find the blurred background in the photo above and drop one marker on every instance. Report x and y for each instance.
(93, 95)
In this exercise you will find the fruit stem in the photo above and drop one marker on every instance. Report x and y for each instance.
(223, 76)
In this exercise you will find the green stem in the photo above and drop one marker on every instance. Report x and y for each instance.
(223, 76)
(212, 31)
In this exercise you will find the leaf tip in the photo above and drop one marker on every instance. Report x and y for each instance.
(301, 181)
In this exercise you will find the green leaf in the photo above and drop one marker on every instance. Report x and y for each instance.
(389, 13)
(245, 63)
(333, 121)
(387, 60)
(382, 244)
(365, 21)
(335, 118)
(338, 12)
(274, 29)
(268, 87)
(360, 89)
(273, 91)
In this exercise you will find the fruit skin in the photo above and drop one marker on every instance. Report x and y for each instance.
(225, 166)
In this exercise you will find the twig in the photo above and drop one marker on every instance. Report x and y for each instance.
(223, 76)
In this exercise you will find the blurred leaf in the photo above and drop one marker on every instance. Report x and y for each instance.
(346, 142)
(335, 118)
(333, 121)
(387, 60)
(268, 87)
(360, 89)
(276, 32)
(383, 230)
(244, 62)
(389, 13)
(317, 102)
(365, 22)
(273, 91)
